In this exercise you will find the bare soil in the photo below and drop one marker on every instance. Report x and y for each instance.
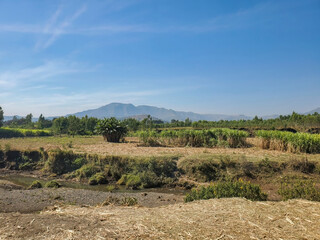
(233, 218)
(33, 200)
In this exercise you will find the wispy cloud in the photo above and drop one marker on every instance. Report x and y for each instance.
(55, 30)
(21, 77)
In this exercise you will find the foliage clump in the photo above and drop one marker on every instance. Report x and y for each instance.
(52, 184)
(304, 189)
(35, 184)
(111, 129)
(228, 189)
(98, 178)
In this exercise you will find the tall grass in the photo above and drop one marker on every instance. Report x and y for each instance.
(195, 138)
(291, 142)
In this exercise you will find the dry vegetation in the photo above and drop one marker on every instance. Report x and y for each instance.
(132, 147)
(210, 219)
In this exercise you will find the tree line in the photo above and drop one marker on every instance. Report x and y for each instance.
(73, 125)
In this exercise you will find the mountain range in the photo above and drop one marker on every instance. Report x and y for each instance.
(122, 111)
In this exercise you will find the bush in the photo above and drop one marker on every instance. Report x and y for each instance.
(61, 162)
(98, 178)
(87, 171)
(111, 129)
(35, 184)
(131, 181)
(304, 189)
(52, 184)
(228, 189)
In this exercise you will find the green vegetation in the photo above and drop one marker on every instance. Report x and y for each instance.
(35, 184)
(291, 142)
(195, 138)
(17, 132)
(126, 201)
(98, 178)
(52, 184)
(111, 129)
(1, 117)
(228, 189)
(297, 188)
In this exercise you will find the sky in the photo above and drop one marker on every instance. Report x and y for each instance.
(207, 56)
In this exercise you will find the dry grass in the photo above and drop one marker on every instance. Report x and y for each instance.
(96, 145)
(210, 219)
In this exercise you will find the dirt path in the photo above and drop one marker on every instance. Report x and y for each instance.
(210, 219)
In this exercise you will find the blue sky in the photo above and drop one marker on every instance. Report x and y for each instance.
(231, 57)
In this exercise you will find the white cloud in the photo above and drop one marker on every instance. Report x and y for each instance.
(23, 77)
(55, 30)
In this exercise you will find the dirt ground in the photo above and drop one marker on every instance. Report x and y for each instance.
(25, 201)
(233, 218)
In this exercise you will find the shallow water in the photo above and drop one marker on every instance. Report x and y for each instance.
(25, 181)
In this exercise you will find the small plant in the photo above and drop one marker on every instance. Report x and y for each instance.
(110, 188)
(129, 201)
(228, 189)
(35, 184)
(304, 189)
(52, 184)
(70, 144)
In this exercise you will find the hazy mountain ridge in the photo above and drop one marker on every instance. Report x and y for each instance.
(122, 111)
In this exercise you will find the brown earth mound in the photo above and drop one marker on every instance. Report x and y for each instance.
(209, 219)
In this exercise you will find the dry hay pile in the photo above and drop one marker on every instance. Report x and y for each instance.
(211, 219)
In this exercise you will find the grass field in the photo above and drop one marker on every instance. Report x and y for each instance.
(132, 147)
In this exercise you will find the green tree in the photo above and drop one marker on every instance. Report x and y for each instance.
(111, 129)
(60, 125)
(41, 122)
(1, 117)
(74, 126)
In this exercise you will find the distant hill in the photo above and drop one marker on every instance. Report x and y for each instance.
(120, 110)
(313, 111)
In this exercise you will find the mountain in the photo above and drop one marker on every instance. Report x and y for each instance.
(313, 111)
(120, 110)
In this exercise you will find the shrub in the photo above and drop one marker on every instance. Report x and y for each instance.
(61, 162)
(228, 189)
(86, 171)
(131, 181)
(127, 201)
(35, 184)
(52, 184)
(98, 178)
(111, 129)
(79, 162)
(304, 189)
